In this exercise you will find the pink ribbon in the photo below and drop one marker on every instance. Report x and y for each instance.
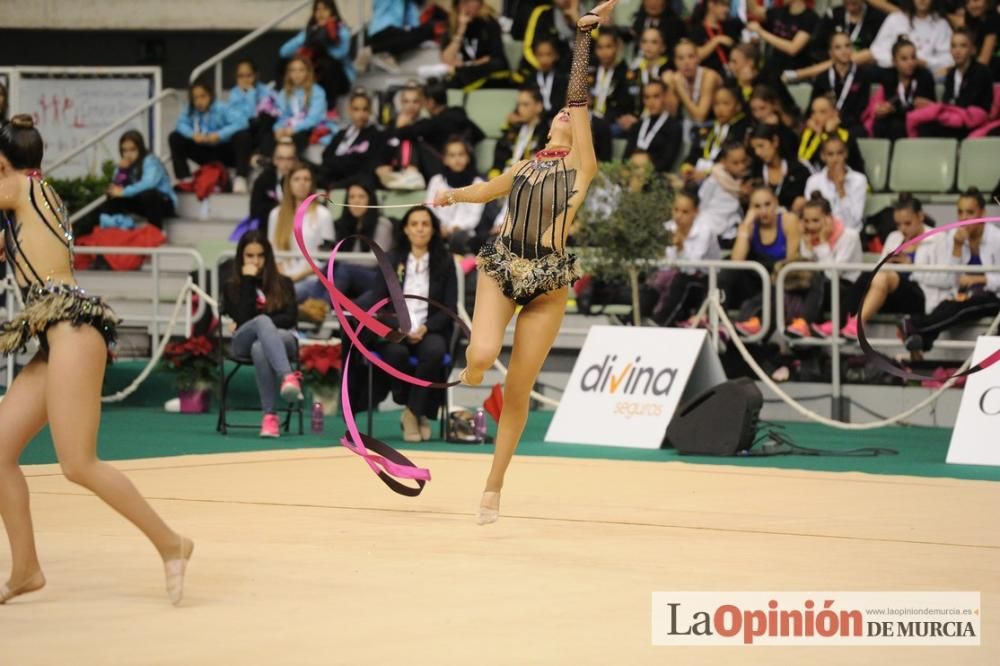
(879, 360)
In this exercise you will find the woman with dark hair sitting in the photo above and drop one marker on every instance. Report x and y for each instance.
(261, 302)
(141, 185)
(358, 280)
(424, 267)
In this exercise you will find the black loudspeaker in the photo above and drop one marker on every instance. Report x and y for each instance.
(722, 421)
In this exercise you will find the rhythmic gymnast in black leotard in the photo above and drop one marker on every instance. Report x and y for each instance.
(527, 263)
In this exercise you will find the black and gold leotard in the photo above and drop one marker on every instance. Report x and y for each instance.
(41, 256)
(528, 256)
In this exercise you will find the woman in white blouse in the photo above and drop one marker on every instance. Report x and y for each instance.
(424, 267)
(842, 186)
(317, 227)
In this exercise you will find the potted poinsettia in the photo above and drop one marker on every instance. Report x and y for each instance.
(320, 365)
(194, 362)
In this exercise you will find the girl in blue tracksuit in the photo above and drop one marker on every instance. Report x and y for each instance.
(210, 131)
(395, 27)
(326, 43)
(253, 99)
(141, 185)
(301, 106)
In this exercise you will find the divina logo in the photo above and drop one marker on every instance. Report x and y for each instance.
(630, 379)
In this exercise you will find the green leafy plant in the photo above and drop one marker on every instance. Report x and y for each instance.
(622, 224)
(78, 192)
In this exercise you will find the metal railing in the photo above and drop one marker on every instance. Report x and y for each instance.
(836, 270)
(116, 125)
(216, 60)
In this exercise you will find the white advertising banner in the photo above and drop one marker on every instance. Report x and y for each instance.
(627, 384)
(974, 441)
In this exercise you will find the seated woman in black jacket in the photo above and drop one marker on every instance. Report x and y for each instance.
(424, 267)
(261, 302)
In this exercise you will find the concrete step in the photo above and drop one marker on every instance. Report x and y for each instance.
(233, 207)
(190, 231)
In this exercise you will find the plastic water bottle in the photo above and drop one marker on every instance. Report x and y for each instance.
(317, 418)
(479, 425)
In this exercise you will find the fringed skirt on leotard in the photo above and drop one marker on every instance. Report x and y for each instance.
(46, 305)
(521, 279)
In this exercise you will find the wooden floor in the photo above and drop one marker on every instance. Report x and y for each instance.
(303, 557)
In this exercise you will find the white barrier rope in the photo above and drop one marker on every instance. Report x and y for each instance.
(189, 286)
(788, 400)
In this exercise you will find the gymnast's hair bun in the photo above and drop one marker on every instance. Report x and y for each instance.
(22, 121)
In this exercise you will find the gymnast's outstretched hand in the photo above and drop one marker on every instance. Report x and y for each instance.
(596, 16)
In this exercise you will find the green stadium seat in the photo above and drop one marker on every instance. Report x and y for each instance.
(618, 147)
(876, 202)
(801, 92)
(876, 155)
(923, 165)
(338, 196)
(489, 109)
(978, 164)
(456, 97)
(484, 155)
(514, 51)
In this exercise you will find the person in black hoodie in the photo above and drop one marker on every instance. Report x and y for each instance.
(658, 134)
(526, 131)
(424, 267)
(433, 132)
(609, 81)
(905, 87)
(266, 192)
(356, 149)
(261, 302)
(966, 100)
(474, 55)
(658, 14)
(787, 177)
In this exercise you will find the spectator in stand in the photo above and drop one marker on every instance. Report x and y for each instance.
(141, 185)
(905, 87)
(317, 228)
(442, 123)
(648, 65)
(982, 20)
(210, 131)
(846, 82)
(458, 222)
(394, 29)
(824, 122)
(682, 290)
(719, 193)
(357, 281)
(825, 239)
(743, 65)
(400, 168)
(768, 235)
(261, 302)
(841, 186)
(765, 109)
(548, 78)
(693, 84)
(857, 19)
(658, 135)
(612, 100)
(474, 56)
(715, 33)
(787, 30)
(903, 293)
(267, 187)
(524, 134)
(250, 96)
(978, 294)
(355, 150)
(923, 23)
(550, 20)
(787, 178)
(966, 100)
(659, 15)
(325, 43)
(301, 107)
(730, 124)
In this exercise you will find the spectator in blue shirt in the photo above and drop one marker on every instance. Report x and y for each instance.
(301, 107)
(326, 43)
(211, 131)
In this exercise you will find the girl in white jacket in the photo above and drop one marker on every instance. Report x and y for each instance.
(923, 24)
(825, 239)
(905, 293)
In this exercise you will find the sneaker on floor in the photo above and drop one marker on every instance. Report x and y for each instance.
(386, 63)
(291, 386)
(850, 329)
(798, 329)
(269, 426)
(824, 330)
(749, 327)
(239, 185)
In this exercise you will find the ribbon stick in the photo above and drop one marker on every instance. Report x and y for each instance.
(385, 462)
(879, 360)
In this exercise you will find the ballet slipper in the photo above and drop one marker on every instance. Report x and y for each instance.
(34, 583)
(489, 508)
(464, 378)
(410, 426)
(425, 428)
(175, 568)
